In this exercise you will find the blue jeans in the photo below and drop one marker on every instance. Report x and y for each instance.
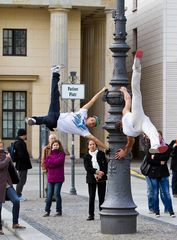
(150, 195)
(54, 109)
(162, 183)
(12, 196)
(54, 189)
(174, 182)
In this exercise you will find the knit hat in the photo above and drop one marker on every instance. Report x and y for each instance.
(21, 132)
(97, 121)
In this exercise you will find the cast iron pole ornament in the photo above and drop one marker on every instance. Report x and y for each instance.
(118, 215)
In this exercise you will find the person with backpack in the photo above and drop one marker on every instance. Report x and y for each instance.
(22, 160)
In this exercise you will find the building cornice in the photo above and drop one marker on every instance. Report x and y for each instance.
(54, 3)
(27, 78)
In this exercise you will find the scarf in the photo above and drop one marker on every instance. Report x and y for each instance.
(94, 159)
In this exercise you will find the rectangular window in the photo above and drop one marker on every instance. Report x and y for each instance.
(135, 5)
(14, 42)
(135, 41)
(13, 113)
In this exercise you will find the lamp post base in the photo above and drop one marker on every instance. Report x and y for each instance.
(73, 191)
(119, 221)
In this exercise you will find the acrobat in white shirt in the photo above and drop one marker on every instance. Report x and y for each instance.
(135, 122)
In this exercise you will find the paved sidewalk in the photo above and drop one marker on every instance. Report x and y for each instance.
(73, 225)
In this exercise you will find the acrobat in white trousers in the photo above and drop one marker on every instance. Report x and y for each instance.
(140, 121)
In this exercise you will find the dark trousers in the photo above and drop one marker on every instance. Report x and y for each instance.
(101, 195)
(174, 182)
(0, 216)
(54, 108)
(20, 185)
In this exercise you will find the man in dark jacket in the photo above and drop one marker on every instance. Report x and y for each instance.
(22, 160)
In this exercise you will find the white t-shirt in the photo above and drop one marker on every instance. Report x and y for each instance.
(127, 125)
(73, 123)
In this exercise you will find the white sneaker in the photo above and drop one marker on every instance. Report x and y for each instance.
(57, 68)
(30, 121)
(22, 199)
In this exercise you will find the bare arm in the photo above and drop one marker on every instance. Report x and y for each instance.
(121, 153)
(127, 99)
(97, 141)
(93, 99)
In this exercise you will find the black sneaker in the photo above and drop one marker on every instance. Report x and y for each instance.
(172, 215)
(157, 214)
(46, 214)
(58, 214)
(90, 218)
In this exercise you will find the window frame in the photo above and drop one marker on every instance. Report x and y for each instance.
(134, 41)
(135, 5)
(14, 110)
(14, 44)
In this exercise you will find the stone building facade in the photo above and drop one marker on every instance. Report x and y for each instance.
(34, 35)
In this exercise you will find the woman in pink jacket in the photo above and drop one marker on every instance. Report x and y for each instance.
(55, 167)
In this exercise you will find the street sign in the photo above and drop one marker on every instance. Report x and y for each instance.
(72, 91)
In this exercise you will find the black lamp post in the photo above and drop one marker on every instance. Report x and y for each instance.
(73, 189)
(118, 215)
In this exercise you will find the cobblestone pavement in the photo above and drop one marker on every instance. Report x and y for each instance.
(73, 225)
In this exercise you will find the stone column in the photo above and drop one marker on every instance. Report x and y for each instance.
(87, 66)
(99, 72)
(59, 50)
(59, 36)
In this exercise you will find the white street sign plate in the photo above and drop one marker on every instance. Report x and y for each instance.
(72, 91)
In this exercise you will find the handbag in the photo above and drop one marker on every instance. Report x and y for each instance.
(13, 173)
(145, 166)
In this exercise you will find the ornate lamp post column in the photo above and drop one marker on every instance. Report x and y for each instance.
(73, 189)
(118, 215)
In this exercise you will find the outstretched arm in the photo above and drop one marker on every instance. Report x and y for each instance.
(121, 153)
(127, 99)
(97, 141)
(93, 99)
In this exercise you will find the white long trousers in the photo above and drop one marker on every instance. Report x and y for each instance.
(140, 121)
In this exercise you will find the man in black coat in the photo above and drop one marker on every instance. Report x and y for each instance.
(22, 160)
